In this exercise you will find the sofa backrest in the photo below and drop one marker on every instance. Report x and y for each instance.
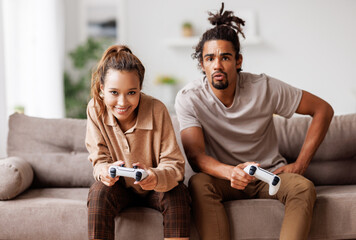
(55, 148)
(335, 159)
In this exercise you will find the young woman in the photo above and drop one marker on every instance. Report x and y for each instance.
(128, 127)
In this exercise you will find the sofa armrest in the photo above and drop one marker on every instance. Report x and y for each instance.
(16, 176)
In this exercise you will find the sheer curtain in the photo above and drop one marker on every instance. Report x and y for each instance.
(34, 52)
(3, 115)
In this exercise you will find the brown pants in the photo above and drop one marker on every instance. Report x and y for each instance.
(208, 194)
(105, 203)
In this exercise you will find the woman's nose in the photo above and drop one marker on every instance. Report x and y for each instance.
(121, 100)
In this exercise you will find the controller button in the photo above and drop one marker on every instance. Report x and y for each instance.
(112, 172)
(138, 176)
(275, 181)
(252, 170)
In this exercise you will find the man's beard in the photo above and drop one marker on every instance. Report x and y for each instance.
(220, 85)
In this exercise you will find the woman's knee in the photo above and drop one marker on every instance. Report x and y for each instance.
(178, 197)
(105, 197)
(176, 212)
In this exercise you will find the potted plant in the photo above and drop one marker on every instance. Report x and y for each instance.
(77, 83)
(187, 29)
(167, 89)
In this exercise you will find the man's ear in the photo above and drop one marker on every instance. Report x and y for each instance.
(239, 62)
(202, 67)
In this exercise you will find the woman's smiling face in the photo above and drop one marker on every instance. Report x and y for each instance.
(122, 94)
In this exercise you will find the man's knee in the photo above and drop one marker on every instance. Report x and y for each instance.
(200, 182)
(302, 189)
(306, 188)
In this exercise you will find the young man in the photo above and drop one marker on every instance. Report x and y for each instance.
(226, 122)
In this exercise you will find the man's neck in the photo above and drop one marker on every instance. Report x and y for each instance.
(227, 95)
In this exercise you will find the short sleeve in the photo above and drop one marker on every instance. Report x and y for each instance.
(186, 114)
(285, 97)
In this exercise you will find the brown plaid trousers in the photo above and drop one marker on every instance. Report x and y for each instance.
(105, 203)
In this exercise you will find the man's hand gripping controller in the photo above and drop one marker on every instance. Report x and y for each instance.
(136, 173)
(271, 179)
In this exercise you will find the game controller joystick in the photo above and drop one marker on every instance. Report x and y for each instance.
(271, 179)
(136, 173)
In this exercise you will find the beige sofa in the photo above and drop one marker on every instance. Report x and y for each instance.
(45, 179)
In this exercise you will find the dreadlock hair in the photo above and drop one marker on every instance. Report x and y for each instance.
(227, 27)
(117, 57)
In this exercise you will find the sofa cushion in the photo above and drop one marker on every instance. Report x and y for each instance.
(334, 215)
(335, 160)
(339, 142)
(55, 148)
(60, 169)
(338, 172)
(61, 213)
(16, 176)
(48, 213)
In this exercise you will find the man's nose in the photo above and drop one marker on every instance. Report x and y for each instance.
(217, 64)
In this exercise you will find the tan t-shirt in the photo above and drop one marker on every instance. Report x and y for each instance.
(244, 131)
(151, 141)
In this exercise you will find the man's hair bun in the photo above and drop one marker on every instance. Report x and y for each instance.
(227, 18)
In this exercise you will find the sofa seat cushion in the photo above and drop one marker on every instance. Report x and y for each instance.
(149, 221)
(49, 213)
(262, 218)
(61, 213)
(335, 205)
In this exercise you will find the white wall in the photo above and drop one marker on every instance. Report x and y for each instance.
(309, 44)
(3, 116)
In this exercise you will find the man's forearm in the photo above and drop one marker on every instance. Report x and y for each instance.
(315, 135)
(211, 166)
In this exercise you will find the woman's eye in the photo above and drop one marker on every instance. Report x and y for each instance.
(113, 92)
(132, 93)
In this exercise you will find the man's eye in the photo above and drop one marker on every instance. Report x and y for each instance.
(132, 93)
(225, 58)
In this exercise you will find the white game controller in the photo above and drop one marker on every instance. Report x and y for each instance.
(136, 173)
(271, 179)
